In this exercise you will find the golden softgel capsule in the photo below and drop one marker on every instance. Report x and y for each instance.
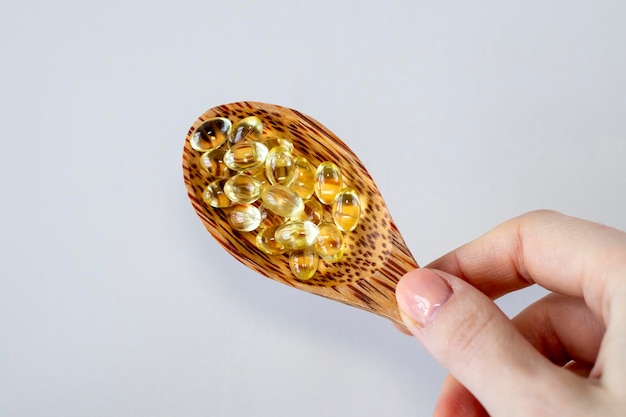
(282, 201)
(313, 211)
(279, 166)
(214, 195)
(249, 128)
(328, 182)
(272, 143)
(304, 178)
(269, 218)
(245, 155)
(244, 217)
(303, 263)
(329, 243)
(213, 163)
(266, 241)
(296, 234)
(211, 134)
(346, 209)
(242, 188)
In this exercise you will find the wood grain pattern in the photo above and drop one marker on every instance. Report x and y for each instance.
(375, 256)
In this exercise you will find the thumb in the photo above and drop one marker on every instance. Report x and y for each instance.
(467, 333)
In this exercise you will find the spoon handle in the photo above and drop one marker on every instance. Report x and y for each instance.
(377, 292)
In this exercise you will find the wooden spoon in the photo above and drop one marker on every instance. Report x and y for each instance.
(375, 256)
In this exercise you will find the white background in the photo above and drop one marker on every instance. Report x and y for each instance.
(114, 300)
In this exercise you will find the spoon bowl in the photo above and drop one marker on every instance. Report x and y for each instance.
(376, 255)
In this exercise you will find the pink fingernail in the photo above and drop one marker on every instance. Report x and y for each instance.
(420, 294)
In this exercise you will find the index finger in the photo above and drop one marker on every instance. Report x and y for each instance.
(561, 253)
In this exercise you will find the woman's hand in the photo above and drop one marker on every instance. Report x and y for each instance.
(565, 355)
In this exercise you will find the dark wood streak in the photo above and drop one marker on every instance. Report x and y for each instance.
(368, 287)
(383, 284)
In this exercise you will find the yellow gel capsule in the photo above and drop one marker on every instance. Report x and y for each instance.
(211, 134)
(242, 188)
(272, 143)
(346, 209)
(269, 218)
(282, 201)
(279, 166)
(245, 155)
(249, 128)
(213, 163)
(296, 234)
(303, 263)
(214, 195)
(244, 217)
(266, 241)
(329, 243)
(259, 174)
(328, 182)
(313, 211)
(304, 178)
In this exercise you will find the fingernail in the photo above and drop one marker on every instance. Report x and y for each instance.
(420, 294)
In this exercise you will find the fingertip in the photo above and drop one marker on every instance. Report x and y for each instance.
(402, 328)
(420, 294)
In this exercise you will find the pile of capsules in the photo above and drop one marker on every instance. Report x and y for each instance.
(264, 188)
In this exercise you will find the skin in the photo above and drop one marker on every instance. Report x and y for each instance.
(564, 355)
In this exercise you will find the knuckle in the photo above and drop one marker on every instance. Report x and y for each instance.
(470, 334)
(539, 216)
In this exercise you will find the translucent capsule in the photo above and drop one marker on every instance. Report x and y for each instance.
(279, 166)
(242, 188)
(329, 243)
(303, 263)
(296, 234)
(249, 128)
(269, 218)
(245, 155)
(213, 163)
(211, 134)
(346, 209)
(304, 178)
(313, 211)
(264, 182)
(282, 201)
(328, 182)
(259, 174)
(266, 241)
(214, 195)
(244, 217)
(274, 142)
